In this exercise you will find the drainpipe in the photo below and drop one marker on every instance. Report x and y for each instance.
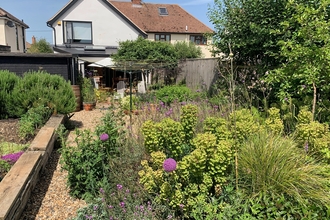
(49, 25)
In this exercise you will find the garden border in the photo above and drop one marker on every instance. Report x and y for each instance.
(17, 185)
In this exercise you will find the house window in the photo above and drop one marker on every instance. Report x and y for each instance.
(78, 32)
(162, 11)
(198, 39)
(163, 37)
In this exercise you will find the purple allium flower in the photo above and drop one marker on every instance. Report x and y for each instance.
(122, 204)
(12, 158)
(95, 207)
(169, 165)
(104, 137)
(215, 107)
(102, 190)
(119, 186)
(127, 190)
(181, 206)
(110, 206)
(88, 217)
(162, 103)
(183, 103)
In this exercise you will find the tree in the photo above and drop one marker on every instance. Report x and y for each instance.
(156, 51)
(247, 26)
(306, 51)
(41, 46)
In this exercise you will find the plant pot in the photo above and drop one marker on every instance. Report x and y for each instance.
(88, 106)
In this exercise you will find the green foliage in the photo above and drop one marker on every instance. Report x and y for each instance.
(198, 174)
(142, 49)
(125, 102)
(305, 50)
(40, 46)
(187, 50)
(87, 162)
(246, 25)
(167, 136)
(8, 81)
(244, 124)
(313, 136)
(272, 164)
(34, 118)
(168, 94)
(41, 88)
(273, 122)
(87, 91)
(189, 121)
(218, 127)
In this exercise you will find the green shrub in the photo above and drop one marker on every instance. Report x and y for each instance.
(188, 121)
(167, 136)
(312, 136)
(44, 89)
(34, 118)
(169, 94)
(87, 163)
(273, 122)
(218, 127)
(8, 81)
(244, 124)
(187, 50)
(125, 102)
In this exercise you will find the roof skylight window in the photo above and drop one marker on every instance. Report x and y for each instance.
(162, 11)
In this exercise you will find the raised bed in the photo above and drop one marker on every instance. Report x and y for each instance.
(17, 185)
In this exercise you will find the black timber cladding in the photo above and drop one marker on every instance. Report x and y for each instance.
(20, 63)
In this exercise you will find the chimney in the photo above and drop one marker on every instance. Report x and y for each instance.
(33, 40)
(136, 2)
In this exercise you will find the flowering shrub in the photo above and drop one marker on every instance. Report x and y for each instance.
(119, 203)
(87, 164)
(198, 175)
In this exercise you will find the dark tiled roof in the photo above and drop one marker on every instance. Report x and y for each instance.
(146, 16)
(6, 14)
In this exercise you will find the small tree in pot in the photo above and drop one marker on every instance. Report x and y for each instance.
(88, 94)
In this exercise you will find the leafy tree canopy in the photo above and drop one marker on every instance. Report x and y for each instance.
(155, 51)
(247, 25)
(40, 46)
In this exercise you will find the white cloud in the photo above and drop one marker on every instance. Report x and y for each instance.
(196, 2)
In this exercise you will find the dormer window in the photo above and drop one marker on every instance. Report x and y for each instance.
(162, 11)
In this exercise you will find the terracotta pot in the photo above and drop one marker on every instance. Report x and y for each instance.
(88, 106)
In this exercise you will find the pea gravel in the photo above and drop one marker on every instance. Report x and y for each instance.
(50, 199)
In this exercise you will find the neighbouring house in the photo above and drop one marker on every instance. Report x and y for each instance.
(91, 30)
(12, 33)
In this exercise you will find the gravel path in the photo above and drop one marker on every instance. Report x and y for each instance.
(50, 199)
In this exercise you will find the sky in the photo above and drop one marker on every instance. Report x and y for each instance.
(35, 13)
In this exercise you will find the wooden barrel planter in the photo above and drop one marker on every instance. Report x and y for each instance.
(76, 91)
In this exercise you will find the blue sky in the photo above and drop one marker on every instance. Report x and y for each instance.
(36, 13)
